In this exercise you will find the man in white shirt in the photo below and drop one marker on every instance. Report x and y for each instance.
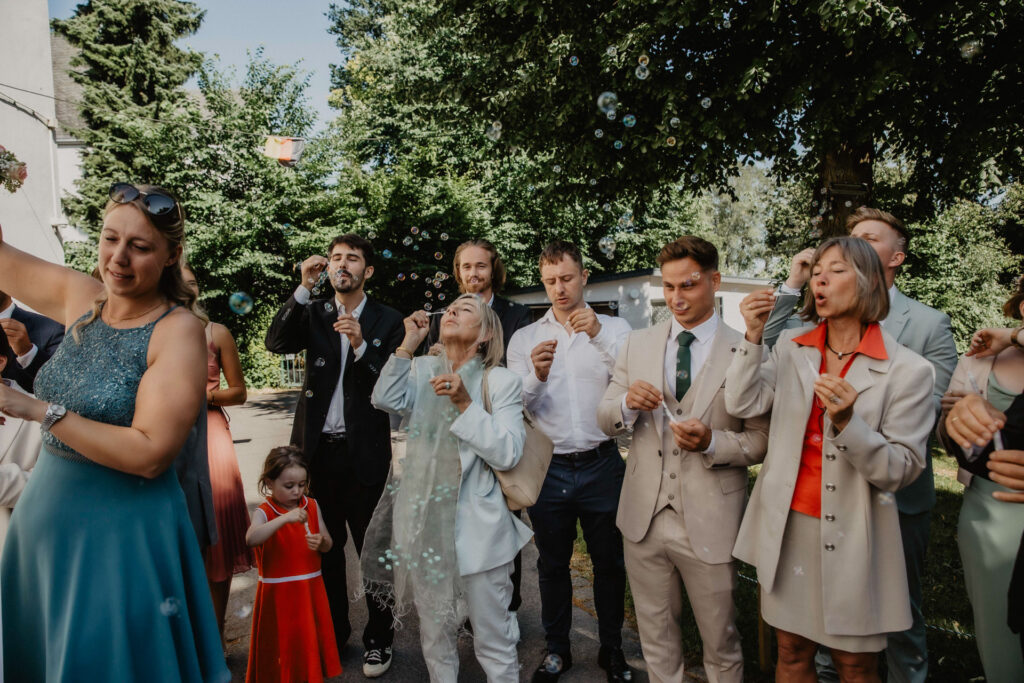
(926, 331)
(347, 441)
(566, 359)
(686, 487)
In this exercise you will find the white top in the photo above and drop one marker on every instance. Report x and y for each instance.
(335, 422)
(565, 406)
(700, 349)
(30, 355)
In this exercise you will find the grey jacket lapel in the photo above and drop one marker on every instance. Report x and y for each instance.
(899, 315)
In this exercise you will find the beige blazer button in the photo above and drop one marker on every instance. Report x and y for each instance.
(830, 518)
(830, 456)
(675, 451)
(841, 447)
(671, 496)
(672, 476)
(829, 547)
(830, 487)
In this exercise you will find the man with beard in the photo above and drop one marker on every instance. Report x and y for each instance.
(346, 440)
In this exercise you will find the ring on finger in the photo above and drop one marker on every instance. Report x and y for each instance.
(447, 385)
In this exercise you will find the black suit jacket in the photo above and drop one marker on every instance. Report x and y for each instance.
(46, 334)
(309, 327)
(513, 316)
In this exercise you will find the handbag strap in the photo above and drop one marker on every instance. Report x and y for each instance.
(485, 391)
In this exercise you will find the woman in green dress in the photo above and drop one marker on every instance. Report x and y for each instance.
(101, 576)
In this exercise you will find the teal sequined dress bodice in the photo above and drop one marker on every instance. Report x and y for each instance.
(96, 377)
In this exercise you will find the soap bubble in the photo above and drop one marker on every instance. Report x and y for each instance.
(407, 241)
(361, 210)
(240, 303)
(592, 182)
(371, 235)
(309, 393)
(611, 115)
(386, 253)
(726, 23)
(414, 230)
(438, 255)
(606, 243)
(530, 188)
(244, 611)
(574, 60)
(689, 76)
(629, 120)
(556, 168)
(598, 133)
(706, 102)
(440, 296)
(606, 206)
(444, 236)
(496, 125)
(428, 307)
(847, 203)
(425, 235)
(607, 101)
(320, 362)
(493, 134)
(613, 305)
(617, 144)
(970, 49)
(170, 607)
(428, 294)
(671, 141)
(674, 122)
(376, 342)
(823, 190)
(642, 72)
(643, 60)
(611, 51)
(414, 276)
(694, 177)
(401, 277)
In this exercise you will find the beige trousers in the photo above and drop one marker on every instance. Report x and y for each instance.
(659, 568)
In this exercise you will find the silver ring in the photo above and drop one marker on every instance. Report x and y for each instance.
(954, 418)
(447, 385)
(834, 398)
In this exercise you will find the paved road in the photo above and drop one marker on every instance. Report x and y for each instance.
(265, 422)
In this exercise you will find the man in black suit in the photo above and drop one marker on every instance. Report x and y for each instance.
(34, 338)
(347, 441)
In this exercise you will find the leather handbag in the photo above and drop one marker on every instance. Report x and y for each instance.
(522, 484)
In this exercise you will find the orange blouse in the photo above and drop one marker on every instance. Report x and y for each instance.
(807, 492)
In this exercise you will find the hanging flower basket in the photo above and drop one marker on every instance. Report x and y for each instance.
(12, 171)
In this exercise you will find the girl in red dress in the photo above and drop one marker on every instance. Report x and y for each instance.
(292, 633)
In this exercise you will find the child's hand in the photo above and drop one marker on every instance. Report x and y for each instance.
(314, 541)
(298, 515)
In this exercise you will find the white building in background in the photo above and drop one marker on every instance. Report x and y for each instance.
(36, 108)
(637, 296)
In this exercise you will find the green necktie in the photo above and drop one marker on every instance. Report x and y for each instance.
(683, 363)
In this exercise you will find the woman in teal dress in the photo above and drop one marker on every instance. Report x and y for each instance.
(101, 576)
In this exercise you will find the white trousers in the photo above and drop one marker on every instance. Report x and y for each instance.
(487, 596)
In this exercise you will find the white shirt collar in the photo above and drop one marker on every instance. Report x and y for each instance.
(550, 315)
(359, 309)
(704, 332)
(892, 294)
(7, 312)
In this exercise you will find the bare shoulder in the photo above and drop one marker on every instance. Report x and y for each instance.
(180, 327)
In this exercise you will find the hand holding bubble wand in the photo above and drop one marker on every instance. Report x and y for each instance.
(997, 438)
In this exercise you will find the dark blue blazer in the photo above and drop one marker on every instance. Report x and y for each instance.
(46, 334)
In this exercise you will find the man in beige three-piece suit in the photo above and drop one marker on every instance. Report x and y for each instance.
(686, 476)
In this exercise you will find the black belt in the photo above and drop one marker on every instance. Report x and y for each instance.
(603, 449)
(333, 438)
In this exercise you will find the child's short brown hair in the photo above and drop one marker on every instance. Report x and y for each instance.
(278, 460)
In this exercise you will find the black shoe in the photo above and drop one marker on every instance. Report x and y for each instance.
(376, 662)
(551, 667)
(613, 662)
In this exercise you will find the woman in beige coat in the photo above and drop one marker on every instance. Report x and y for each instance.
(850, 426)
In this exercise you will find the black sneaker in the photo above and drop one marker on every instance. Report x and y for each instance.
(376, 662)
(613, 662)
(551, 667)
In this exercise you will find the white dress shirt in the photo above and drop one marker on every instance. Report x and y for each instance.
(565, 406)
(700, 349)
(30, 355)
(335, 422)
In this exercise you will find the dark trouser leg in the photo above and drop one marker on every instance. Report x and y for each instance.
(360, 502)
(600, 482)
(554, 529)
(327, 486)
(517, 576)
(907, 652)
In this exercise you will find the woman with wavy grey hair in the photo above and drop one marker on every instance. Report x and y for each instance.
(851, 412)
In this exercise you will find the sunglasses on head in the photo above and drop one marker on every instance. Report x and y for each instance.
(161, 208)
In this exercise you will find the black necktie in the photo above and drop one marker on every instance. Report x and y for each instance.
(683, 363)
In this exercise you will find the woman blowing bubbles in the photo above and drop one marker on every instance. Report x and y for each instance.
(851, 413)
(101, 574)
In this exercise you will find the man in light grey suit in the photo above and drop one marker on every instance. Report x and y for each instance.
(685, 486)
(926, 331)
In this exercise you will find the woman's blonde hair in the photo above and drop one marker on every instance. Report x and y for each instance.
(872, 302)
(492, 349)
(172, 283)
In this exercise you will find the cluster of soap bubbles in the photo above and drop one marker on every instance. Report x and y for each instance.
(240, 303)
(607, 246)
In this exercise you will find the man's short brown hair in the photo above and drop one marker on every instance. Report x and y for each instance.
(867, 213)
(497, 267)
(690, 246)
(556, 250)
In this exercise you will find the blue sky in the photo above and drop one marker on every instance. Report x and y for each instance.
(288, 32)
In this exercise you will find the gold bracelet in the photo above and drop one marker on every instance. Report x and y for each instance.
(1013, 337)
(402, 348)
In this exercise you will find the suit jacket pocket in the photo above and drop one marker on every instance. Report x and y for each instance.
(732, 480)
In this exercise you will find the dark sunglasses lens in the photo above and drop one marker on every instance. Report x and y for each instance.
(159, 205)
(122, 193)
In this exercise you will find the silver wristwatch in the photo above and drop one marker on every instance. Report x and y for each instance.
(54, 413)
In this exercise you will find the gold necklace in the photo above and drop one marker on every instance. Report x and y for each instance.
(136, 317)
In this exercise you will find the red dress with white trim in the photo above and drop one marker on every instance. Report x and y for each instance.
(292, 633)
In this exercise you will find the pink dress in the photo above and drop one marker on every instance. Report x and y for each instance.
(230, 555)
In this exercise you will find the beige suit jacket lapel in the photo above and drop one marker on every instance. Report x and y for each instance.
(713, 373)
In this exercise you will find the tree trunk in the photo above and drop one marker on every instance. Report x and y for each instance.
(844, 184)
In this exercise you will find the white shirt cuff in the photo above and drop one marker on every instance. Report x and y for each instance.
(710, 450)
(629, 415)
(301, 295)
(26, 360)
(358, 353)
(785, 289)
